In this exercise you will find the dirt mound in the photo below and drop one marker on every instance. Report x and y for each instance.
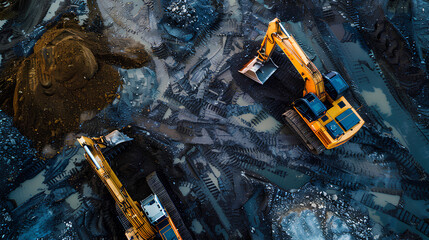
(69, 74)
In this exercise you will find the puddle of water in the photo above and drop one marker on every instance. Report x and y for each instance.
(394, 224)
(247, 117)
(417, 207)
(214, 180)
(196, 227)
(177, 160)
(73, 201)
(51, 12)
(293, 179)
(167, 114)
(378, 99)
(338, 30)
(77, 158)
(374, 216)
(244, 100)
(257, 225)
(383, 199)
(267, 125)
(87, 191)
(215, 170)
(235, 10)
(184, 190)
(2, 22)
(29, 188)
(397, 134)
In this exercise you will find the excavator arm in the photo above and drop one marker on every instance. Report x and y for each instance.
(141, 228)
(277, 35)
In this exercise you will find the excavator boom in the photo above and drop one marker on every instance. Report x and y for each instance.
(261, 67)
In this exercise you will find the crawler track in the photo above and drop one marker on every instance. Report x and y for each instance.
(298, 125)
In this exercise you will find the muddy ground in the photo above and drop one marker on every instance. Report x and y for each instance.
(217, 139)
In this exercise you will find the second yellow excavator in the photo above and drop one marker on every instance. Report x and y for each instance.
(322, 118)
(144, 222)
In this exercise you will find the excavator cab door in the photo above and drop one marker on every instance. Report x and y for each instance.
(258, 71)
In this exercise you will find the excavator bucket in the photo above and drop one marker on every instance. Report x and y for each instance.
(258, 71)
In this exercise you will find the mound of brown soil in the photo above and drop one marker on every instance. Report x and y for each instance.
(67, 75)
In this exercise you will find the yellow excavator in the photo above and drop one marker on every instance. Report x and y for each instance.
(322, 118)
(147, 221)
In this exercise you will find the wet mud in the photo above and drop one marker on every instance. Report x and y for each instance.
(216, 138)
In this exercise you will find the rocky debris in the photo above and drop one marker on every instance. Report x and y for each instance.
(5, 221)
(188, 24)
(181, 13)
(16, 156)
(309, 213)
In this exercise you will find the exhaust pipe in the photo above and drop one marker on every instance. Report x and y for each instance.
(258, 71)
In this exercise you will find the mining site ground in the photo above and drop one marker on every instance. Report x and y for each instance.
(166, 74)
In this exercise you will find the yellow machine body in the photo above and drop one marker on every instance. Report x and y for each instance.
(261, 68)
(319, 126)
(141, 228)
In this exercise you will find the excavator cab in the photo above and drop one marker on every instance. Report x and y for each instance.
(258, 71)
(310, 107)
(158, 217)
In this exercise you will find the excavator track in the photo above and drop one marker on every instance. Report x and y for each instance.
(158, 188)
(297, 124)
